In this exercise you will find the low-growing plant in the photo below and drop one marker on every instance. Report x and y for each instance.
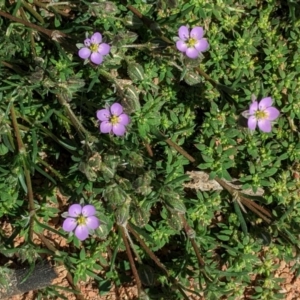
(98, 139)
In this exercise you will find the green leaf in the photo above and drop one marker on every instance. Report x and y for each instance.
(224, 238)
(239, 213)
(3, 149)
(82, 254)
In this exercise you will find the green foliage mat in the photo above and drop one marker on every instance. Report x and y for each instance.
(185, 114)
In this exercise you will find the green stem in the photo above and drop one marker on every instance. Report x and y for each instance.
(33, 12)
(56, 173)
(76, 123)
(22, 151)
(110, 78)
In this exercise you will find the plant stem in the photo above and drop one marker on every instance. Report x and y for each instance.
(49, 245)
(33, 12)
(180, 150)
(187, 230)
(48, 32)
(56, 173)
(131, 261)
(156, 260)
(76, 123)
(148, 251)
(22, 152)
(110, 78)
(48, 7)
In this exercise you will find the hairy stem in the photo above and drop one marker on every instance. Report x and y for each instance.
(156, 260)
(76, 123)
(47, 32)
(146, 248)
(22, 152)
(131, 261)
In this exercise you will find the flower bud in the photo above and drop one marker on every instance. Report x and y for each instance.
(192, 78)
(141, 216)
(136, 160)
(146, 275)
(133, 21)
(131, 102)
(174, 202)
(175, 220)
(136, 72)
(122, 214)
(114, 195)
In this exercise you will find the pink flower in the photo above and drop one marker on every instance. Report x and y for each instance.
(81, 220)
(191, 43)
(262, 114)
(113, 120)
(94, 49)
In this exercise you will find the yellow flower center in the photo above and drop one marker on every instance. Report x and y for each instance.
(191, 42)
(94, 47)
(261, 114)
(81, 220)
(114, 120)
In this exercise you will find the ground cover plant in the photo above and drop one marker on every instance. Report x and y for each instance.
(111, 104)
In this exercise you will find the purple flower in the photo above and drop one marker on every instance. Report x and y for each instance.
(113, 120)
(191, 43)
(94, 49)
(262, 114)
(81, 220)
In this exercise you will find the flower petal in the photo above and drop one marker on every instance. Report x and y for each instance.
(202, 45)
(192, 53)
(69, 224)
(181, 46)
(197, 33)
(103, 114)
(252, 122)
(87, 42)
(103, 49)
(264, 103)
(253, 107)
(96, 58)
(75, 210)
(84, 53)
(124, 119)
(82, 232)
(273, 113)
(88, 210)
(184, 33)
(92, 222)
(264, 125)
(118, 129)
(105, 127)
(96, 38)
(116, 109)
